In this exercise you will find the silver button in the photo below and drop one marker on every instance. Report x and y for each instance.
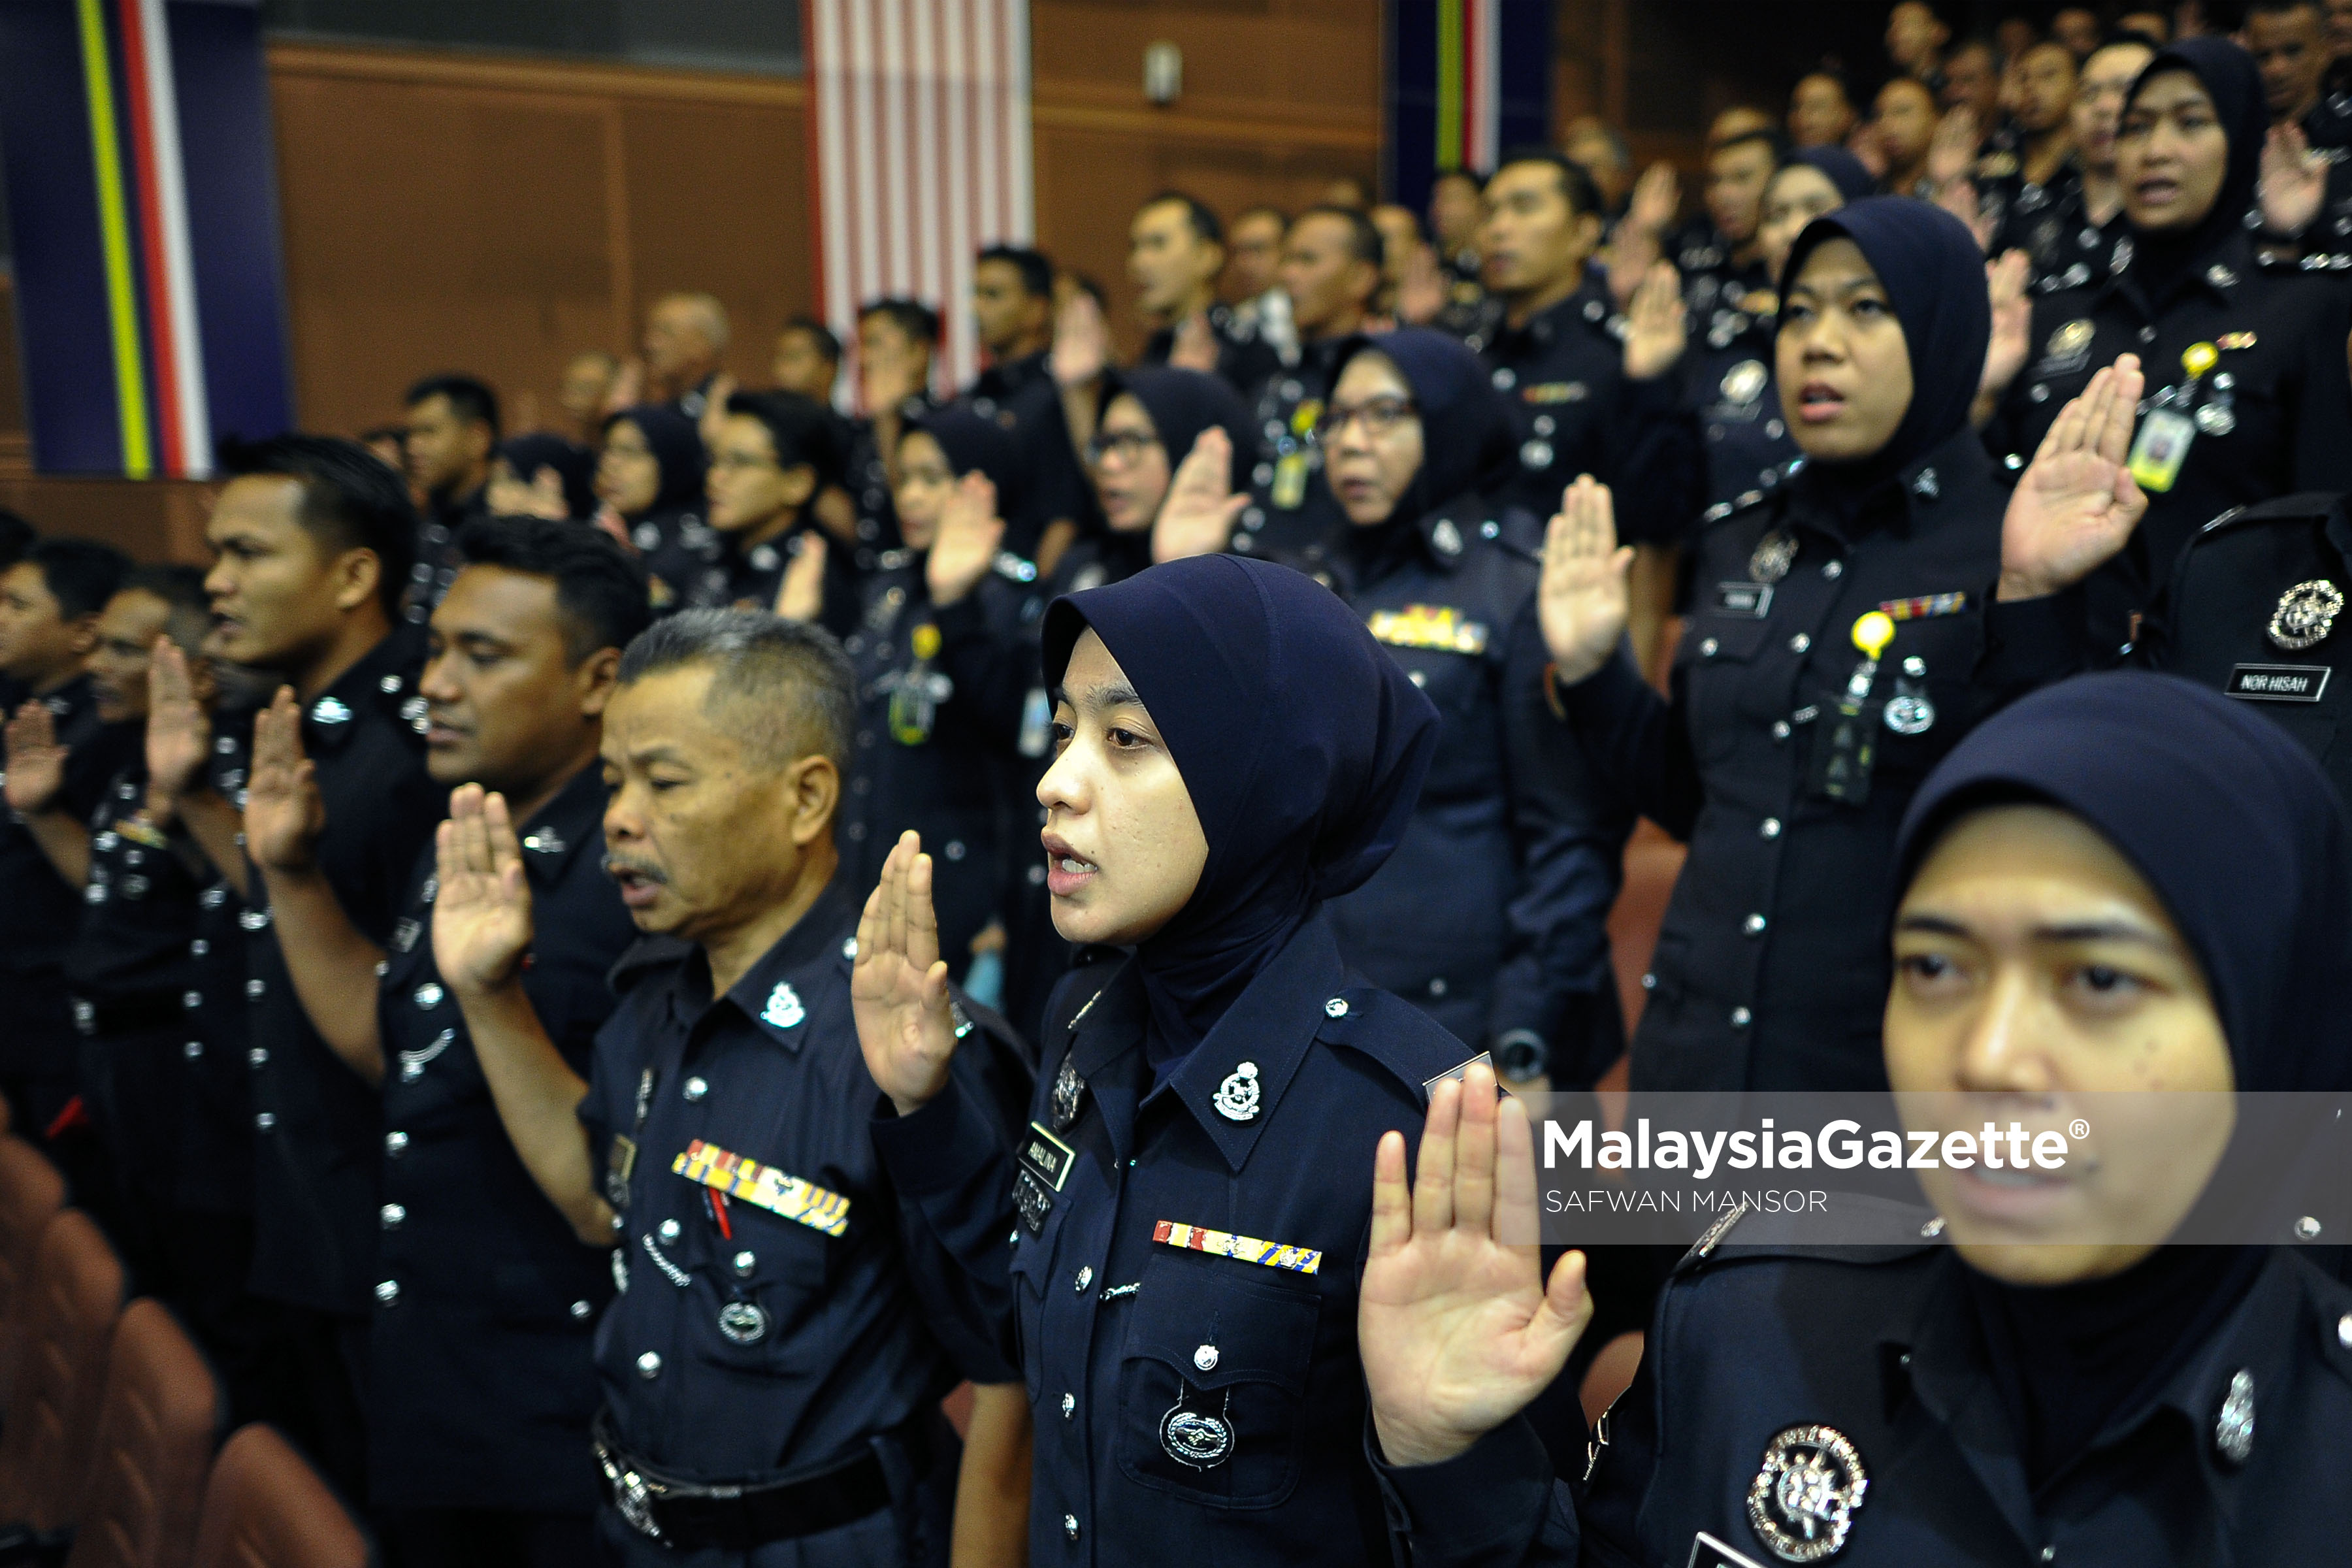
(666, 1230)
(191, 999)
(266, 1120)
(199, 947)
(1800, 643)
(1741, 1018)
(2049, 1554)
(1437, 986)
(650, 1366)
(1914, 666)
(1770, 827)
(391, 1215)
(1086, 1278)
(1708, 647)
(1337, 1007)
(1933, 1228)
(2306, 1228)
(257, 1056)
(1070, 1401)
(2147, 334)
(193, 1050)
(395, 1144)
(745, 1262)
(428, 994)
(1753, 925)
(581, 1310)
(1833, 570)
(696, 1087)
(1779, 728)
(254, 988)
(2344, 1331)
(1070, 1520)
(1205, 1358)
(387, 1291)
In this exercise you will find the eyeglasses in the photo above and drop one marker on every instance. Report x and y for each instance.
(733, 461)
(1379, 414)
(1128, 445)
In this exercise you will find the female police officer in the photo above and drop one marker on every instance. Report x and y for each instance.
(2008, 1398)
(650, 475)
(1837, 651)
(1233, 749)
(1490, 916)
(2251, 397)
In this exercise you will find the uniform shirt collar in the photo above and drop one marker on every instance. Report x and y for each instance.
(829, 923)
(1270, 1025)
(1563, 319)
(1001, 381)
(2222, 272)
(557, 831)
(384, 677)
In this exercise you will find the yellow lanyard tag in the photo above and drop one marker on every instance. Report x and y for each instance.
(2163, 446)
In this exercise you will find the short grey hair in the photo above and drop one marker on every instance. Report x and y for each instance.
(784, 688)
(709, 316)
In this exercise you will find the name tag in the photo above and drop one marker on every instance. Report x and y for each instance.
(1707, 1551)
(763, 1187)
(1751, 600)
(1438, 627)
(1048, 1157)
(2277, 682)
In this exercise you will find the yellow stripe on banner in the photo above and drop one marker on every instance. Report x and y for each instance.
(115, 231)
(1449, 83)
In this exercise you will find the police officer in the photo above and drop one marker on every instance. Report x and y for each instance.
(894, 343)
(1551, 342)
(651, 477)
(2071, 229)
(1331, 269)
(1233, 748)
(1012, 306)
(1175, 250)
(2251, 393)
(311, 542)
(1490, 915)
(2031, 202)
(1979, 1394)
(773, 453)
(49, 605)
(452, 432)
(770, 1385)
(1838, 648)
(481, 1388)
(929, 745)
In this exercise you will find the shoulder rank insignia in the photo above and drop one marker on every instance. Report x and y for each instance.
(1803, 1502)
(763, 1187)
(1242, 1248)
(1439, 626)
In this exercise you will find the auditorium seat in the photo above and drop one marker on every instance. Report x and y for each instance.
(31, 1192)
(75, 1298)
(159, 1422)
(264, 1507)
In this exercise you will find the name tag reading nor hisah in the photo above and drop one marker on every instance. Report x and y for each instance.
(1752, 600)
(1707, 1551)
(2278, 682)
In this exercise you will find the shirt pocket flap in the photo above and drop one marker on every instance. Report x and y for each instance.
(1243, 1331)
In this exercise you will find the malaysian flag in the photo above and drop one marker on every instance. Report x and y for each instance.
(1468, 80)
(921, 132)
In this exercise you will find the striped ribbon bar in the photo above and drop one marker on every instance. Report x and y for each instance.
(1244, 1248)
(763, 1187)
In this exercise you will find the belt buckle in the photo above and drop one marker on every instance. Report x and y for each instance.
(633, 1495)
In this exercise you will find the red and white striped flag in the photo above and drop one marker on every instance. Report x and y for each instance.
(921, 112)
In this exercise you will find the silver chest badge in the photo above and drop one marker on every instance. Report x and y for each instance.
(1194, 1437)
(1744, 383)
(783, 1009)
(743, 1322)
(1803, 1502)
(1774, 555)
(1236, 1098)
(1067, 1087)
(2306, 614)
(2234, 1428)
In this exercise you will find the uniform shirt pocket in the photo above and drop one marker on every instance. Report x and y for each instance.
(1725, 691)
(1212, 1383)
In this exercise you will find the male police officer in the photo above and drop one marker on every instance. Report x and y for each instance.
(1012, 306)
(1175, 250)
(771, 1386)
(313, 541)
(453, 428)
(481, 1388)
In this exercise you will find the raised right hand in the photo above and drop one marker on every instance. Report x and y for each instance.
(284, 812)
(481, 910)
(898, 986)
(36, 763)
(1081, 340)
(1656, 328)
(801, 595)
(179, 730)
(1197, 517)
(1658, 196)
(2076, 504)
(2293, 182)
(1582, 601)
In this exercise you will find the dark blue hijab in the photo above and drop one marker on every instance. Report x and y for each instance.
(574, 464)
(1935, 279)
(1466, 431)
(1182, 403)
(676, 447)
(1300, 742)
(970, 442)
(1839, 167)
(2162, 262)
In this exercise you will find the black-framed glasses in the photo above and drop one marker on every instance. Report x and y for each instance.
(1379, 414)
(1128, 445)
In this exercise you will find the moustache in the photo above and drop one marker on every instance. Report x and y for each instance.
(615, 865)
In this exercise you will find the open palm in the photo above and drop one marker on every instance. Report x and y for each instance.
(1197, 517)
(970, 533)
(284, 812)
(36, 763)
(482, 905)
(179, 731)
(1582, 601)
(899, 987)
(2075, 506)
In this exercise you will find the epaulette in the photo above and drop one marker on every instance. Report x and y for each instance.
(2278, 508)
(1015, 567)
(1867, 1230)
(2311, 261)
(1414, 1048)
(1747, 499)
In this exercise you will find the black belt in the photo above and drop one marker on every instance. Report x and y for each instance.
(701, 1516)
(131, 1014)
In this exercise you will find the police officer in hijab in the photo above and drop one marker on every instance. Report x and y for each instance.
(1491, 915)
(2248, 398)
(1837, 650)
(1234, 750)
(541, 475)
(1974, 1396)
(651, 476)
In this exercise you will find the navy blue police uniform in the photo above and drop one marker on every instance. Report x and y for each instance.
(1023, 397)
(772, 1367)
(1291, 513)
(2051, 222)
(482, 1388)
(1245, 359)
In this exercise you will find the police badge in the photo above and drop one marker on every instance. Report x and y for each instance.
(1744, 383)
(1067, 1087)
(2306, 614)
(1236, 1098)
(783, 1009)
(1194, 1438)
(1803, 1502)
(1775, 553)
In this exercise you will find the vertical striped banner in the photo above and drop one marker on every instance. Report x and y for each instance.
(141, 196)
(920, 113)
(1469, 80)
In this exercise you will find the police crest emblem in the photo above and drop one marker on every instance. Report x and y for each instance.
(1774, 555)
(1811, 1485)
(783, 1009)
(1744, 383)
(1194, 1437)
(1236, 1098)
(2306, 614)
(1067, 1087)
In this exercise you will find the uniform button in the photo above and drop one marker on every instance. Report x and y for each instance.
(745, 1262)
(1205, 1358)
(2344, 1331)
(1086, 1278)
(1336, 1008)
(955, 848)
(696, 1087)
(650, 1366)
(199, 947)
(254, 987)
(2306, 1229)
(1800, 643)
(1779, 728)
(266, 1120)
(2049, 1554)
(258, 1056)
(1741, 1018)
(1070, 1401)
(387, 1291)
(2147, 334)
(191, 999)
(1753, 925)
(1070, 1527)
(1708, 647)
(666, 1230)
(391, 1215)
(1833, 570)
(193, 1049)
(2039, 391)
(857, 833)
(1437, 986)
(581, 1312)
(1770, 827)
(395, 1144)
